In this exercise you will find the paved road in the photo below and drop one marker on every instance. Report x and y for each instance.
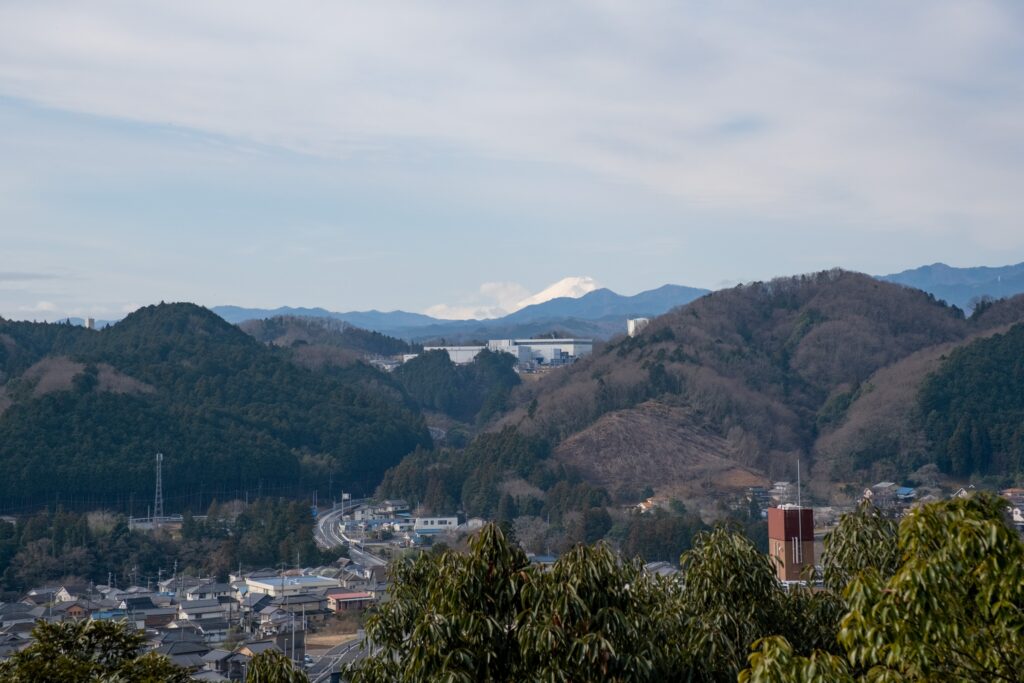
(333, 659)
(365, 558)
(326, 533)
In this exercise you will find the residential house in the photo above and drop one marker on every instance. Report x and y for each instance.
(782, 492)
(661, 568)
(178, 585)
(1015, 496)
(213, 630)
(71, 591)
(74, 610)
(217, 661)
(138, 603)
(386, 510)
(249, 608)
(272, 618)
(344, 600)
(209, 591)
(197, 610)
(905, 495)
(238, 663)
(308, 606)
(158, 617)
(41, 596)
(187, 654)
(11, 643)
(13, 612)
(882, 495)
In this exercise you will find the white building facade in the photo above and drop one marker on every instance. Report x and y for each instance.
(435, 525)
(529, 353)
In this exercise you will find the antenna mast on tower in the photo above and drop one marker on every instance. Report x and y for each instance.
(158, 503)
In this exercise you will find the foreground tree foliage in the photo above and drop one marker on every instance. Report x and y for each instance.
(953, 610)
(273, 666)
(862, 540)
(489, 615)
(88, 651)
(941, 600)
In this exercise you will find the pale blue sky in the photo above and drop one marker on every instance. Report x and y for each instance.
(411, 155)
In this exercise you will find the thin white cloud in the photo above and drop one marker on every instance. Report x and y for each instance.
(42, 307)
(888, 115)
(491, 300)
(10, 276)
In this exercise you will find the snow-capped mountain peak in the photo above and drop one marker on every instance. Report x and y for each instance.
(573, 287)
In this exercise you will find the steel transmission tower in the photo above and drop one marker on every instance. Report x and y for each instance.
(158, 504)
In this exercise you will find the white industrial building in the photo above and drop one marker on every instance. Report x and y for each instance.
(276, 586)
(529, 353)
(635, 325)
(458, 354)
(435, 525)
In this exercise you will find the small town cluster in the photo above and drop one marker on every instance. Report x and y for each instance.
(211, 628)
(214, 629)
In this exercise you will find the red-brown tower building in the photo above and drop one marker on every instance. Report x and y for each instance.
(791, 540)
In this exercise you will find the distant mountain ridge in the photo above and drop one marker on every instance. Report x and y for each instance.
(602, 303)
(960, 286)
(599, 313)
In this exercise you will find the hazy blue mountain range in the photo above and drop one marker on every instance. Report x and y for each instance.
(600, 313)
(959, 286)
(602, 303)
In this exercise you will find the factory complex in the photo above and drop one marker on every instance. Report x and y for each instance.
(530, 354)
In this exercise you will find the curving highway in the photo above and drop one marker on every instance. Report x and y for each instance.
(327, 532)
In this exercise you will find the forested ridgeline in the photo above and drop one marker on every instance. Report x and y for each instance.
(63, 545)
(472, 392)
(511, 478)
(294, 331)
(773, 368)
(973, 406)
(938, 598)
(84, 412)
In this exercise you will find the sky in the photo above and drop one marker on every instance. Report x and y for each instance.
(460, 157)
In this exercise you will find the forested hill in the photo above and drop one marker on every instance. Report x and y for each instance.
(83, 412)
(743, 381)
(296, 332)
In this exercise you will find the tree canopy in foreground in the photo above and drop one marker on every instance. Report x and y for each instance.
(938, 598)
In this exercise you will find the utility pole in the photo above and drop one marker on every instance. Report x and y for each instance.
(800, 514)
(158, 503)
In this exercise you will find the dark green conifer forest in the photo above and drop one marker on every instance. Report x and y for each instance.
(84, 413)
